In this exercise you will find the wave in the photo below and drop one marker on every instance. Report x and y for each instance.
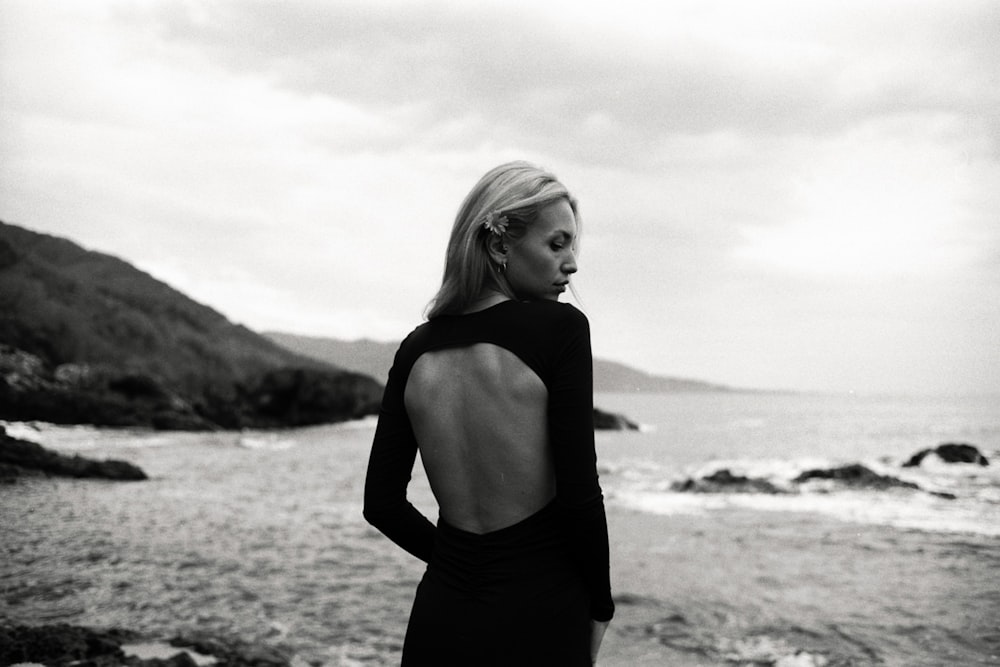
(949, 498)
(272, 442)
(85, 437)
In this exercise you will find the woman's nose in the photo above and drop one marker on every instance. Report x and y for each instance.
(569, 266)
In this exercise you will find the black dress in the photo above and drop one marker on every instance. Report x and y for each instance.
(524, 594)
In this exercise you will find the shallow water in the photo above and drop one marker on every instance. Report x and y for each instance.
(260, 535)
(265, 542)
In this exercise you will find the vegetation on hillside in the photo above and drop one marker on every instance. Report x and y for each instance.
(88, 338)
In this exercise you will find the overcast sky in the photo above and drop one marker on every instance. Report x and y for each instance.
(798, 195)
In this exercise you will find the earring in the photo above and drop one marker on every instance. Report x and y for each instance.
(501, 268)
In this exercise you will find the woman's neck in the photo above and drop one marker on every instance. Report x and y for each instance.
(487, 298)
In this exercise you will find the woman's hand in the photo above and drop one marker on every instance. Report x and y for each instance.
(597, 630)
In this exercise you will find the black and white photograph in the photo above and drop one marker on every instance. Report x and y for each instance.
(348, 333)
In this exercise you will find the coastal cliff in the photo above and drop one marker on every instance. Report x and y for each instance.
(87, 338)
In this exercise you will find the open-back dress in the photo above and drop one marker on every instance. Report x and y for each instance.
(523, 594)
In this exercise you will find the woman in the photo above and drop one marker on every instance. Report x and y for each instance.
(495, 390)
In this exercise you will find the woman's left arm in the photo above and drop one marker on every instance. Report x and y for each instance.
(571, 432)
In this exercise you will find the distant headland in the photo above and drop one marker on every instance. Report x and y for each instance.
(374, 358)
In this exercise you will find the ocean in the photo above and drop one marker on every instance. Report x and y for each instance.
(778, 436)
(259, 535)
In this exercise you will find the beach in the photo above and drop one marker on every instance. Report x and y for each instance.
(259, 536)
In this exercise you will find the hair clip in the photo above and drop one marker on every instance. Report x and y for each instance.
(495, 222)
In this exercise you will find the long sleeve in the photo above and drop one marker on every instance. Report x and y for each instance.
(390, 466)
(571, 432)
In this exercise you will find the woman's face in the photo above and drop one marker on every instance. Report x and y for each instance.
(540, 263)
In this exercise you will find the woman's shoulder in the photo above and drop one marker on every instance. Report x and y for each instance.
(414, 338)
(562, 313)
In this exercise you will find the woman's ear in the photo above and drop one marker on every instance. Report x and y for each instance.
(497, 249)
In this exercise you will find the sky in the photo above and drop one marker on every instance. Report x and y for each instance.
(775, 195)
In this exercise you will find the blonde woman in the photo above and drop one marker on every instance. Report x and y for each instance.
(495, 391)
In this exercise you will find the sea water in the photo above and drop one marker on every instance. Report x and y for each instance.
(824, 573)
(260, 535)
(776, 437)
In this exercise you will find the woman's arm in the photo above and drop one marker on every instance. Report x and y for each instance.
(571, 432)
(394, 450)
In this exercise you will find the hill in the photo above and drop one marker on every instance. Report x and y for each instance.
(374, 358)
(88, 338)
(361, 356)
(614, 377)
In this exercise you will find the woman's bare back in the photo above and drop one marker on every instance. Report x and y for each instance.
(479, 417)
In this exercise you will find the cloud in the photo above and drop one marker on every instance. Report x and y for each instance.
(888, 197)
(685, 68)
(751, 174)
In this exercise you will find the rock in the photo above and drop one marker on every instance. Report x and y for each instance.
(22, 455)
(306, 396)
(234, 653)
(138, 386)
(64, 645)
(950, 452)
(184, 420)
(611, 421)
(724, 481)
(61, 644)
(80, 393)
(77, 393)
(858, 476)
(179, 659)
(855, 475)
(9, 474)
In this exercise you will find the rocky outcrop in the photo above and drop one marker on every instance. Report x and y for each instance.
(21, 457)
(63, 645)
(857, 476)
(611, 421)
(853, 476)
(950, 452)
(306, 396)
(78, 393)
(724, 481)
(229, 652)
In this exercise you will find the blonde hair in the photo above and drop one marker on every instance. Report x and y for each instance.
(517, 190)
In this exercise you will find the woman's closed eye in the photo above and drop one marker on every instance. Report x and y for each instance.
(560, 241)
